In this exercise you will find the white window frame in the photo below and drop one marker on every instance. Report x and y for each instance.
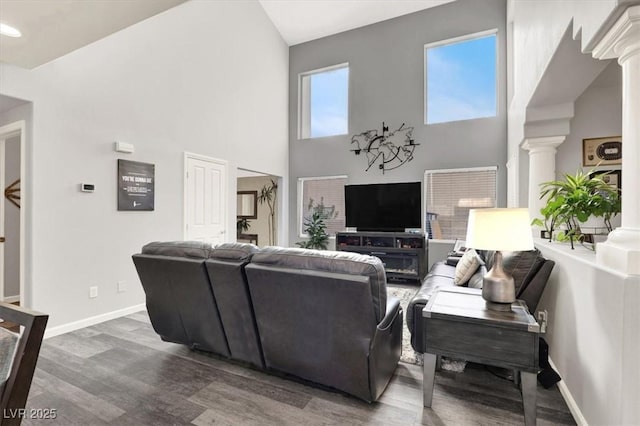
(300, 208)
(458, 170)
(304, 92)
(467, 37)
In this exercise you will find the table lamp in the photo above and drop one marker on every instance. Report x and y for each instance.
(499, 230)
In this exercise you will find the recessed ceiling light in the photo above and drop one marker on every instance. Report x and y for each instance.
(9, 31)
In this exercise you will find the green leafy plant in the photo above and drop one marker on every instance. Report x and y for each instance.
(268, 195)
(550, 213)
(242, 225)
(574, 200)
(317, 231)
(325, 212)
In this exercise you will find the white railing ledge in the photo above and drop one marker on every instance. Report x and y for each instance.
(580, 253)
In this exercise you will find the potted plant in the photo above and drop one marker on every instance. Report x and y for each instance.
(551, 213)
(242, 225)
(317, 231)
(268, 195)
(573, 200)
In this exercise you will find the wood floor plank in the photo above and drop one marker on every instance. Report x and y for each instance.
(230, 405)
(108, 383)
(77, 345)
(361, 414)
(80, 398)
(121, 373)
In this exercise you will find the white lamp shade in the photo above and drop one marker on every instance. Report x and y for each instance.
(499, 229)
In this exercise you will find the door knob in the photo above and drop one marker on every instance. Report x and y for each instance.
(2, 240)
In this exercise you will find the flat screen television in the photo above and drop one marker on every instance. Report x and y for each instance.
(383, 207)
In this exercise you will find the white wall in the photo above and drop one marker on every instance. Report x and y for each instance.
(11, 221)
(594, 321)
(206, 77)
(598, 113)
(593, 334)
(538, 27)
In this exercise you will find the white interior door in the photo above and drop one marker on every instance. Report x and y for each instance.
(205, 199)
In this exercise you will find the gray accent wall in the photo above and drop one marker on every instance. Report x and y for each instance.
(386, 83)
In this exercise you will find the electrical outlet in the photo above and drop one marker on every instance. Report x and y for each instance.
(122, 286)
(93, 292)
(543, 317)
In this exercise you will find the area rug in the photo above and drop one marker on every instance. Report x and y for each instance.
(405, 293)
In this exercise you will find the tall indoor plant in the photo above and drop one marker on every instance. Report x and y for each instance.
(268, 195)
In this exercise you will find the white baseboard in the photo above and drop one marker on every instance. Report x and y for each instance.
(568, 398)
(76, 325)
(11, 299)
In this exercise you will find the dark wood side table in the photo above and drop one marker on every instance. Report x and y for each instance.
(251, 238)
(458, 325)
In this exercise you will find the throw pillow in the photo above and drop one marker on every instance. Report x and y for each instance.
(477, 279)
(466, 267)
(522, 266)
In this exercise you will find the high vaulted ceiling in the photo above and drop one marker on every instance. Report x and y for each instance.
(53, 28)
(303, 20)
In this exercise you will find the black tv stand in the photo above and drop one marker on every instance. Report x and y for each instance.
(404, 254)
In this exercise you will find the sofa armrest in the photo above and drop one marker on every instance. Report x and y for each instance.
(386, 348)
(393, 307)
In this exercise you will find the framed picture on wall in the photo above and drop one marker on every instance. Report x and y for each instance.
(612, 177)
(602, 151)
(136, 186)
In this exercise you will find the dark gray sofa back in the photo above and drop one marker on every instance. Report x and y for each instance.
(332, 261)
(317, 314)
(228, 281)
(179, 298)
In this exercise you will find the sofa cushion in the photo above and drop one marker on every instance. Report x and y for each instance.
(466, 267)
(441, 269)
(331, 261)
(190, 249)
(240, 252)
(522, 265)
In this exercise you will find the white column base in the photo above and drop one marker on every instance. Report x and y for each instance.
(621, 251)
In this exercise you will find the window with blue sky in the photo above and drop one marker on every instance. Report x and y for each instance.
(324, 102)
(461, 79)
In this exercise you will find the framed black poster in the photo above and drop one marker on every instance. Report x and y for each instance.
(136, 185)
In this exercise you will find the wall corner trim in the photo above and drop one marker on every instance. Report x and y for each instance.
(76, 325)
(568, 398)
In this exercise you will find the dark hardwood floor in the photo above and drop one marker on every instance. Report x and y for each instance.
(120, 372)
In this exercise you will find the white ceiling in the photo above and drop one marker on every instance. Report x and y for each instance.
(304, 20)
(53, 28)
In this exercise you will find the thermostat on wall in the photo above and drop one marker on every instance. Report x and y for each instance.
(87, 187)
(123, 147)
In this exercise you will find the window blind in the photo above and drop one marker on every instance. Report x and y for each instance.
(450, 194)
(326, 196)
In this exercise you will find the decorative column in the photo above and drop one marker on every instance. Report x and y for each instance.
(542, 168)
(621, 251)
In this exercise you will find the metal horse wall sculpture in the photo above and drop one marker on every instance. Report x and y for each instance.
(12, 192)
(389, 149)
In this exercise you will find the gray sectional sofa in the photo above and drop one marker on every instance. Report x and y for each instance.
(320, 316)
